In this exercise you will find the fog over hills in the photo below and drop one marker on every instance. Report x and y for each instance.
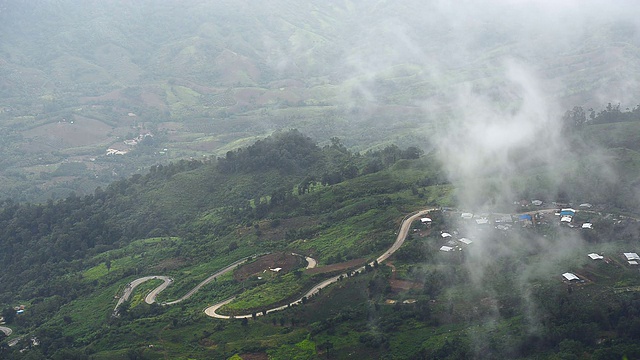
(205, 77)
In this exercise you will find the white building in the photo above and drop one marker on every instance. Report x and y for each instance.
(570, 276)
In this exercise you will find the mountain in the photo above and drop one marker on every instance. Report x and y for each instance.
(204, 78)
(68, 261)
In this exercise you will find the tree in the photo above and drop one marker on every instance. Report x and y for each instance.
(574, 118)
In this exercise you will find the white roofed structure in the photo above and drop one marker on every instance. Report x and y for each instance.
(631, 256)
(445, 235)
(465, 241)
(466, 215)
(445, 248)
(425, 220)
(587, 226)
(595, 256)
(570, 276)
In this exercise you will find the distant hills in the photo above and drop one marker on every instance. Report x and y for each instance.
(206, 77)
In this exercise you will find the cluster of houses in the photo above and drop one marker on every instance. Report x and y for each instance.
(633, 259)
(452, 244)
(131, 143)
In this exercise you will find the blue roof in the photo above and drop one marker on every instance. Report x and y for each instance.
(562, 213)
(525, 217)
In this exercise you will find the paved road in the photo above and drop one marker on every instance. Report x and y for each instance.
(7, 331)
(311, 262)
(402, 234)
(135, 283)
(151, 297)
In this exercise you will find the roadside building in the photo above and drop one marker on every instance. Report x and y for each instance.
(446, 248)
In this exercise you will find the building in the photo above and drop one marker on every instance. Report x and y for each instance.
(570, 276)
(632, 258)
(595, 256)
(446, 248)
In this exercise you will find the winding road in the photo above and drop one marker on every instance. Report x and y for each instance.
(7, 331)
(311, 263)
(402, 234)
(151, 297)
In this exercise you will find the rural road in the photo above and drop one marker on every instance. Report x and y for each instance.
(7, 331)
(402, 234)
(135, 283)
(151, 297)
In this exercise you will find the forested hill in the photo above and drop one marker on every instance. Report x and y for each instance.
(42, 243)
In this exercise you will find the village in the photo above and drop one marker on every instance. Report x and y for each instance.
(464, 225)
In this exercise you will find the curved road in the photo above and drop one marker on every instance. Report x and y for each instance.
(151, 297)
(402, 234)
(7, 331)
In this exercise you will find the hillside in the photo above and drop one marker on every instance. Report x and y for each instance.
(207, 77)
(285, 194)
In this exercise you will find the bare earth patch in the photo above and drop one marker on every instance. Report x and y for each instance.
(337, 267)
(285, 261)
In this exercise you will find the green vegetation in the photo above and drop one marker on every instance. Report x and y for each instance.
(287, 194)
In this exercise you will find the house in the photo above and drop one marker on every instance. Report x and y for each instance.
(503, 218)
(595, 256)
(570, 276)
(445, 235)
(566, 219)
(536, 202)
(446, 248)
(425, 220)
(586, 205)
(275, 269)
(525, 217)
(587, 226)
(568, 211)
(482, 221)
(631, 256)
(465, 241)
(466, 215)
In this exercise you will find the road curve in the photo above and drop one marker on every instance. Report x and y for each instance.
(7, 331)
(151, 297)
(402, 234)
(128, 290)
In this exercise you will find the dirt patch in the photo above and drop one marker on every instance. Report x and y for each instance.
(170, 264)
(285, 261)
(255, 356)
(404, 285)
(337, 267)
(76, 131)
